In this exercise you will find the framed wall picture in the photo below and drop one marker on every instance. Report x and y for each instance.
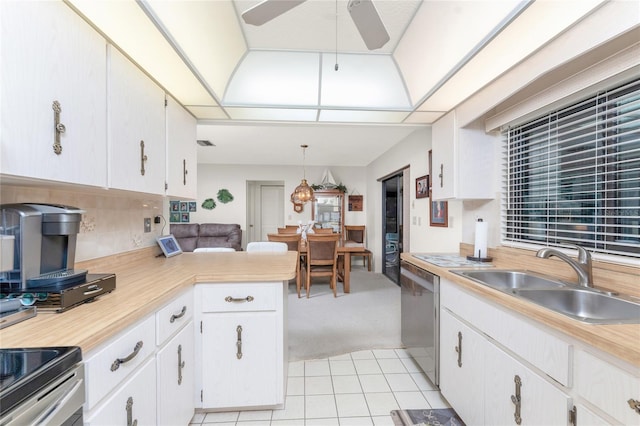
(355, 203)
(422, 187)
(438, 215)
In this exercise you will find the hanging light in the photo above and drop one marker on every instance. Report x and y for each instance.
(303, 192)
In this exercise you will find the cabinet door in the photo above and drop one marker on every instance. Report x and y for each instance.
(133, 401)
(241, 360)
(137, 142)
(182, 159)
(513, 391)
(50, 54)
(444, 154)
(328, 210)
(176, 374)
(462, 364)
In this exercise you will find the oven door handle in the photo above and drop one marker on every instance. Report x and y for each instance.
(56, 407)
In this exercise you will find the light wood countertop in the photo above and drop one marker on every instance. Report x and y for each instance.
(620, 340)
(143, 285)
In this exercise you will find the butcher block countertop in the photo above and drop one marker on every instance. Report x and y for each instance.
(620, 340)
(144, 283)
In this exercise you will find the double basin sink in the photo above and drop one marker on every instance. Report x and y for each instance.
(583, 304)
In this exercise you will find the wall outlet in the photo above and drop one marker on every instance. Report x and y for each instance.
(147, 224)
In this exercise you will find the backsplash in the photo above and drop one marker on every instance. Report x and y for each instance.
(113, 222)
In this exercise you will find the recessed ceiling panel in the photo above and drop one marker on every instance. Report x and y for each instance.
(362, 81)
(441, 35)
(275, 79)
(272, 114)
(350, 116)
(208, 34)
(424, 117)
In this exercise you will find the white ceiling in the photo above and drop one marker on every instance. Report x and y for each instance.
(442, 51)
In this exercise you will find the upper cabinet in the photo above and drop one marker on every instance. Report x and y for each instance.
(328, 210)
(182, 153)
(462, 161)
(137, 130)
(49, 54)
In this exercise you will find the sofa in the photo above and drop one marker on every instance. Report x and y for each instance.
(191, 236)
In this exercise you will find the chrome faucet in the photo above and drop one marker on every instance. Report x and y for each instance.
(582, 266)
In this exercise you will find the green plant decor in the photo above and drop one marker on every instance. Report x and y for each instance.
(224, 196)
(209, 204)
(340, 187)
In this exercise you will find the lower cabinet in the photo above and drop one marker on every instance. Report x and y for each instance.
(462, 368)
(130, 403)
(145, 374)
(175, 374)
(242, 356)
(514, 394)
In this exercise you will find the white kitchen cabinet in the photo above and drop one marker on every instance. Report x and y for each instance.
(515, 395)
(462, 364)
(242, 355)
(175, 379)
(607, 387)
(136, 128)
(132, 401)
(462, 161)
(182, 153)
(50, 54)
(497, 346)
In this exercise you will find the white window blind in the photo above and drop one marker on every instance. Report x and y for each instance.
(573, 176)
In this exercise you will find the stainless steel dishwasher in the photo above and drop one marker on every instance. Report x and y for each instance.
(420, 302)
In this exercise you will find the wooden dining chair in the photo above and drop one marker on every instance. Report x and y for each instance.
(356, 234)
(322, 259)
(288, 230)
(323, 230)
(294, 243)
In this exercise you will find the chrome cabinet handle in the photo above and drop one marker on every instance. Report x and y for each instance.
(129, 408)
(58, 127)
(174, 317)
(459, 349)
(634, 404)
(517, 399)
(441, 175)
(143, 158)
(239, 342)
(234, 299)
(180, 364)
(118, 361)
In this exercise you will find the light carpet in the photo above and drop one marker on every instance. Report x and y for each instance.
(366, 318)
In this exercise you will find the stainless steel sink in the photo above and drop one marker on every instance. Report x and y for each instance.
(585, 305)
(506, 280)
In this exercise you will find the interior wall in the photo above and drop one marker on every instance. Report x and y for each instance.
(213, 177)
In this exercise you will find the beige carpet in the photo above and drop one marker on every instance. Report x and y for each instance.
(366, 318)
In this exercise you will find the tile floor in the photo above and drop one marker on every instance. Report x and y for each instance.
(359, 388)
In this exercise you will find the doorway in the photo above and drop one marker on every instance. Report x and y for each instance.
(265, 209)
(392, 225)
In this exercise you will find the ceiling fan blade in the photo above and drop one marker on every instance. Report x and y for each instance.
(266, 10)
(368, 22)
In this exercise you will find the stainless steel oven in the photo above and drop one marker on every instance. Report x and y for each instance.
(41, 386)
(420, 304)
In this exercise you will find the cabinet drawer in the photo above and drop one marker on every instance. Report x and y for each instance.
(104, 372)
(542, 349)
(174, 315)
(135, 396)
(607, 387)
(239, 297)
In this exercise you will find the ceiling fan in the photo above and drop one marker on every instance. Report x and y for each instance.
(363, 12)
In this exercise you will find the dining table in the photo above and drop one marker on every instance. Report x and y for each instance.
(345, 249)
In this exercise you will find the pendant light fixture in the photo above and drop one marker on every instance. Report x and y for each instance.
(303, 192)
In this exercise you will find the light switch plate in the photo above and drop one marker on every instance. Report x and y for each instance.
(147, 224)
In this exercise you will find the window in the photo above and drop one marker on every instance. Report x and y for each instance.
(573, 176)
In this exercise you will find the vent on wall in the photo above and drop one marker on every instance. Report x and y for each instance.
(203, 142)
